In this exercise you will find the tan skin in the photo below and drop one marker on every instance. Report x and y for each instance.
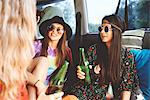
(107, 38)
(40, 72)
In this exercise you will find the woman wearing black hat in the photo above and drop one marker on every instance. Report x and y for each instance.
(51, 51)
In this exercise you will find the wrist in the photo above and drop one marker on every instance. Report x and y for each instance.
(35, 84)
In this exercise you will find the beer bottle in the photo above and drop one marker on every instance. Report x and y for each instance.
(56, 82)
(84, 65)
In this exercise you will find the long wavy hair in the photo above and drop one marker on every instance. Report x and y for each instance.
(61, 47)
(17, 30)
(110, 59)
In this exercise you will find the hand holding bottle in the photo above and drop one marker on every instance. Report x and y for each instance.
(57, 81)
(80, 73)
(84, 66)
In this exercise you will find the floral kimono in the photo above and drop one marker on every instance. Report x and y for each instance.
(93, 91)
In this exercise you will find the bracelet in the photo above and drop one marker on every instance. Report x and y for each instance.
(36, 82)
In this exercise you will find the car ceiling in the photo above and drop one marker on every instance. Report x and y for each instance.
(44, 2)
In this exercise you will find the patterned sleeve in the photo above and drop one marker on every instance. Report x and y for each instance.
(91, 55)
(129, 74)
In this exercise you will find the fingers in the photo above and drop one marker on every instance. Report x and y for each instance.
(79, 68)
(97, 69)
(80, 73)
(90, 66)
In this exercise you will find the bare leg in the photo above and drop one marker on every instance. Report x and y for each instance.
(39, 69)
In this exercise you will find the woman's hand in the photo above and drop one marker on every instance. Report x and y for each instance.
(80, 73)
(55, 96)
(97, 69)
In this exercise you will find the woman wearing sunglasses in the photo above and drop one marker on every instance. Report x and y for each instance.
(51, 51)
(113, 72)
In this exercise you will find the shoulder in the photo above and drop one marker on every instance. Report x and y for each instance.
(126, 54)
(127, 59)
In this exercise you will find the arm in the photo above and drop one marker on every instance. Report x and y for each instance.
(91, 56)
(130, 80)
(31, 89)
(31, 92)
(33, 85)
(80, 73)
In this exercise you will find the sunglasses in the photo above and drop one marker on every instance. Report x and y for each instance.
(52, 27)
(106, 29)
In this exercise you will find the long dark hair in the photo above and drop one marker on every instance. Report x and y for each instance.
(109, 59)
(61, 47)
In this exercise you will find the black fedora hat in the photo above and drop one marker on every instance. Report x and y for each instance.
(56, 19)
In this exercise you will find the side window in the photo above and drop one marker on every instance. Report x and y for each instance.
(138, 13)
(68, 9)
(97, 9)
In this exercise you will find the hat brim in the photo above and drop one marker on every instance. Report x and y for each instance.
(43, 26)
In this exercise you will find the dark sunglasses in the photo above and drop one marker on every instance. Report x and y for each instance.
(52, 27)
(106, 29)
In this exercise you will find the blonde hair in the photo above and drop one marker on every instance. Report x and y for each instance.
(17, 31)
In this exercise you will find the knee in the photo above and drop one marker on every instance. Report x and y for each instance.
(43, 60)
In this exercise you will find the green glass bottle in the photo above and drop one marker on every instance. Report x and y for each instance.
(56, 82)
(84, 65)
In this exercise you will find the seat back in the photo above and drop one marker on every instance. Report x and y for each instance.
(81, 41)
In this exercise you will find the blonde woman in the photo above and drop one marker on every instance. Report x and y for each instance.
(17, 28)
